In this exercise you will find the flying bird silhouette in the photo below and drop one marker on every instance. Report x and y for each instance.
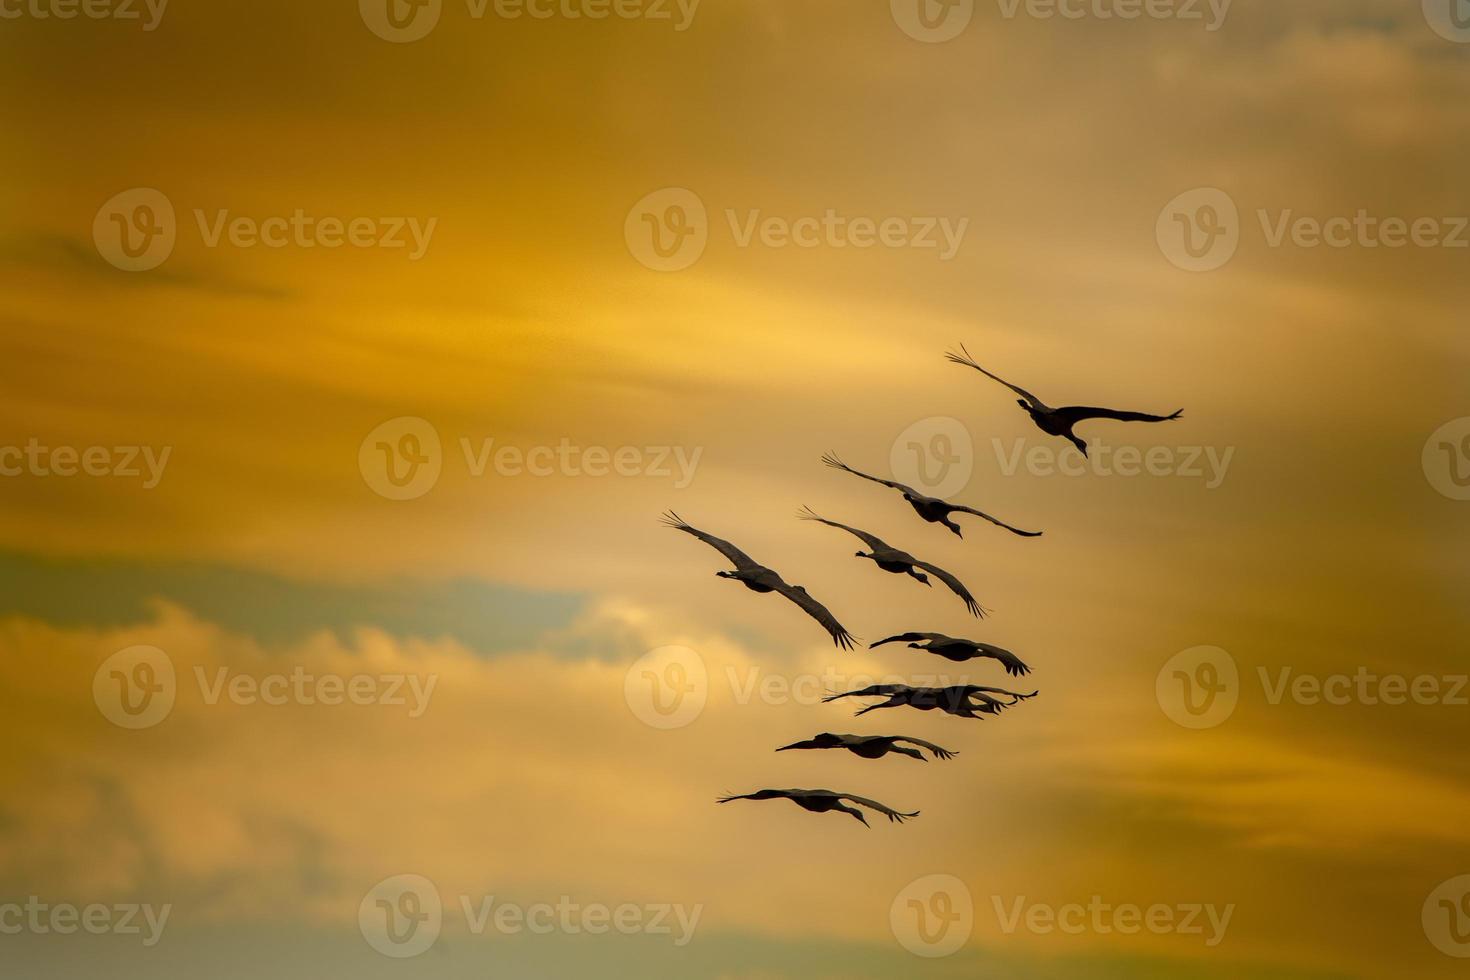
(951, 648)
(932, 509)
(871, 746)
(759, 578)
(890, 559)
(1059, 421)
(825, 801)
(967, 701)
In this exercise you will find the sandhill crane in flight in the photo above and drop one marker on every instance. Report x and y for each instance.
(951, 648)
(890, 559)
(1059, 421)
(931, 509)
(825, 801)
(759, 578)
(871, 746)
(967, 701)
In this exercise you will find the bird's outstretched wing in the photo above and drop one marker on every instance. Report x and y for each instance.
(764, 794)
(996, 521)
(876, 691)
(1012, 663)
(934, 749)
(956, 586)
(1073, 414)
(831, 460)
(887, 811)
(871, 540)
(963, 357)
(817, 611)
(908, 638)
(972, 691)
(738, 558)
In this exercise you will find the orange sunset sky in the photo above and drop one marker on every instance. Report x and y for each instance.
(396, 326)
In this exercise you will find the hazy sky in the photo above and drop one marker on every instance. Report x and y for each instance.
(263, 256)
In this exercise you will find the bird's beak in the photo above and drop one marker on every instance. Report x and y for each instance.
(793, 745)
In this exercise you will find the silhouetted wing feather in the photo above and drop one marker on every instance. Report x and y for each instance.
(871, 540)
(996, 521)
(831, 460)
(817, 611)
(964, 358)
(938, 752)
(1073, 414)
(876, 691)
(908, 638)
(738, 558)
(1012, 663)
(955, 585)
(887, 811)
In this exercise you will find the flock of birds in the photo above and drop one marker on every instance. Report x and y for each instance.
(964, 701)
